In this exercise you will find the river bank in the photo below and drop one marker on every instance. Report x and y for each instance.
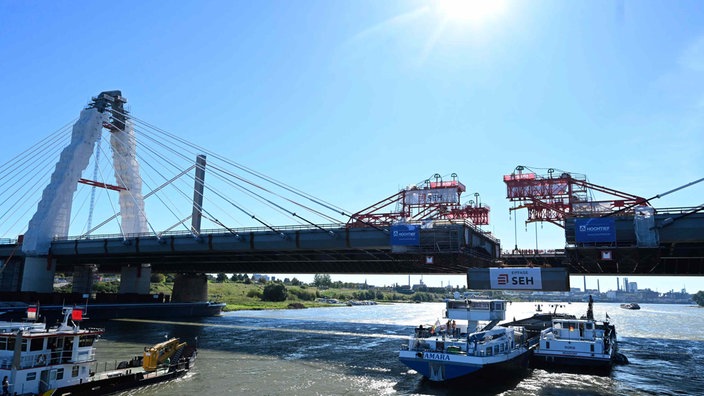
(250, 296)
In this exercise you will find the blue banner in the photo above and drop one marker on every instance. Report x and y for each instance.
(405, 235)
(600, 229)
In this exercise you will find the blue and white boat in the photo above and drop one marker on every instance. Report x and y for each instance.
(443, 353)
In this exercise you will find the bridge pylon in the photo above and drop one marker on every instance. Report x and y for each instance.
(53, 215)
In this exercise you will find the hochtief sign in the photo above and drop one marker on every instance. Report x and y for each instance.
(405, 235)
(599, 229)
(518, 278)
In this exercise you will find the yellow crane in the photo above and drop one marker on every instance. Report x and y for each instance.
(161, 353)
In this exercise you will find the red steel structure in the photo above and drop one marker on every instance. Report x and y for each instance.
(553, 198)
(431, 200)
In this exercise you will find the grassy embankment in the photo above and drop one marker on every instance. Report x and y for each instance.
(239, 296)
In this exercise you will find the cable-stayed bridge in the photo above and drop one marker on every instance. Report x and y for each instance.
(110, 192)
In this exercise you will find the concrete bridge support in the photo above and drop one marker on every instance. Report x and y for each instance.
(135, 279)
(190, 288)
(83, 277)
(38, 274)
(10, 274)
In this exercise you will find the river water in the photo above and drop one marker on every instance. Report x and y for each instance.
(354, 350)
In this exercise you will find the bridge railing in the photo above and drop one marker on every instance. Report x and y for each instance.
(217, 231)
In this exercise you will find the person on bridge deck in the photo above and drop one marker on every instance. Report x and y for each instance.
(5, 387)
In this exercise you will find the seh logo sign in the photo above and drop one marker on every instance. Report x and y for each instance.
(515, 278)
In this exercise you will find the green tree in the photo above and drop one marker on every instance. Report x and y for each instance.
(222, 277)
(274, 292)
(157, 278)
(295, 282)
(322, 280)
(699, 298)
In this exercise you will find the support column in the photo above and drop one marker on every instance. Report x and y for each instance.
(38, 274)
(10, 274)
(190, 288)
(83, 277)
(198, 195)
(135, 279)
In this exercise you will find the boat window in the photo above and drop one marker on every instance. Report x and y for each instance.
(74, 371)
(60, 373)
(483, 305)
(86, 340)
(3, 343)
(547, 344)
(31, 376)
(11, 344)
(36, 344)
(24, 344)
(496, 349)
(488, 351)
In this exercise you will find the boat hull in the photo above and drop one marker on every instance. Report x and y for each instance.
(52, 313)
(109, 386)
(572, 363)
(444, 367)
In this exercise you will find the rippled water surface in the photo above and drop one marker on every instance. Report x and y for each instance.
(353, 350)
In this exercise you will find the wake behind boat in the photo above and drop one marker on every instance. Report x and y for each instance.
(35, 360)
(451, 352)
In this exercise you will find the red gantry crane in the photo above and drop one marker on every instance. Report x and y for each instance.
(552, 197)
(431, 200)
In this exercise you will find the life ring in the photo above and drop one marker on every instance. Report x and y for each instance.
(41, 360)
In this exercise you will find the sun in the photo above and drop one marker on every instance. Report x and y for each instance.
(476, 11)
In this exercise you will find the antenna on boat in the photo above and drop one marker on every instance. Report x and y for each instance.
(590, 312)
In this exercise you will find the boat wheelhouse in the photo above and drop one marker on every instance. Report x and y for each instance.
(36, 360)
(577, 344)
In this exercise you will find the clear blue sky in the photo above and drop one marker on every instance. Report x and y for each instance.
(352, 100)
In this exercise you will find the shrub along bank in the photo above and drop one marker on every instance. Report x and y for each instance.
(277, 295)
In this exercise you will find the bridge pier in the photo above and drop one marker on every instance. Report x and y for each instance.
(190, 288)
(135, 279)
(38, 274)
(83, 276)
(10, 274)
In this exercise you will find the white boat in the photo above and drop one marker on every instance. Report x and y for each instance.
(578, 345)
(37, 360)
(443, 354)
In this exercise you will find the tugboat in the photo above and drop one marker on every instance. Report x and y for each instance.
(583, 344)
(36, 360)
(451, 352)
(630, 306)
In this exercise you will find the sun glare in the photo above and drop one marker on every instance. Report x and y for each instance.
(471, 10)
